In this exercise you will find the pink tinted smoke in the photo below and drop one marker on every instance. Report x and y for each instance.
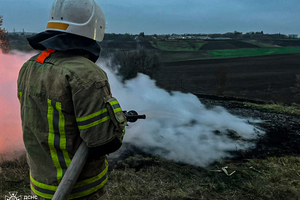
(11, 142)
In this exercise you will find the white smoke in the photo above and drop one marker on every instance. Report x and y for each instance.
(178, 125)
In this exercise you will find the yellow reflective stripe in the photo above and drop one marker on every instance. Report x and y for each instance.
(93, 179)
(123, 132)
(88, 192)
(89, 181)
(51, 141)
(63, 139)
(46, 196)
(94, 123)
(92, 115)
(20, 96)
(42, 185)
(118, 110)
(48, 189)
(57, 25)
(113, 103)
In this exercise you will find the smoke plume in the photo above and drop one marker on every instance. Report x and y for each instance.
(177, 127)
(11, 143)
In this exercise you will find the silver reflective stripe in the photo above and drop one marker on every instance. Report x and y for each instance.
(116, 106)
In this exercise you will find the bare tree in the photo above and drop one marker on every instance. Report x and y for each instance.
(4, 41)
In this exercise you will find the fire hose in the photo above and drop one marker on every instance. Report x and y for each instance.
(68, 181)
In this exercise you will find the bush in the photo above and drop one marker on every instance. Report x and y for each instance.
(133, 62)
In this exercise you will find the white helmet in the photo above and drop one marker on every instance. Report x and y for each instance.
(79, 17)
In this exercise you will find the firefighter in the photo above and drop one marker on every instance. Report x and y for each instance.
(66, 99)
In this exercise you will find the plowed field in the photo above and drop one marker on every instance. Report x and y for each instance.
(267, 78)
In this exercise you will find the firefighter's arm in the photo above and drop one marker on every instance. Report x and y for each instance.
(99, 117)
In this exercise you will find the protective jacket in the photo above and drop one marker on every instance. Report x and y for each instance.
(66, 99)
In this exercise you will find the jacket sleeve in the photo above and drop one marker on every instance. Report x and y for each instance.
(99, 116)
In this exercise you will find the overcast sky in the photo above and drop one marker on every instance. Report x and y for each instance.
(169, 16)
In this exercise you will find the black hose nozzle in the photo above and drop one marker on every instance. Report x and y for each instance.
(132, 116)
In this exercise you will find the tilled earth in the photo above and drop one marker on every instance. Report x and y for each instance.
(267, 78)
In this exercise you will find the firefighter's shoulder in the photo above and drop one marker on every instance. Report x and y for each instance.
(79, 67)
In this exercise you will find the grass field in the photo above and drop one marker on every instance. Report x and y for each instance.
(235, 53)
(273, 178)
(184, 50)
(153, 178)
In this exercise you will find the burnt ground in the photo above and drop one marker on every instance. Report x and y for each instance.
(267, 78)
(282, 136)
(270, 171)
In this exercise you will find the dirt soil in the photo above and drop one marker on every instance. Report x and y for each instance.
(268, 78)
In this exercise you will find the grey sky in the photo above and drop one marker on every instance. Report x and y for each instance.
(169, 16)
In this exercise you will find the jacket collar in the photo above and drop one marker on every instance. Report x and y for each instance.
(66, 42)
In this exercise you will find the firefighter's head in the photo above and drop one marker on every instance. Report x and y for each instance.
(80, 17)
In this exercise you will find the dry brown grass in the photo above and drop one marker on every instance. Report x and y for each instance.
(156, 178)
(14, 176)
(153, 178)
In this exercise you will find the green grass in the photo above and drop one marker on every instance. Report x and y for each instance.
(187, 48)
(234, 53)
(277, 108)
(175, 56)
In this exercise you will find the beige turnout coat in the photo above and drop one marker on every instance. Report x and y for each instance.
(66, 99)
